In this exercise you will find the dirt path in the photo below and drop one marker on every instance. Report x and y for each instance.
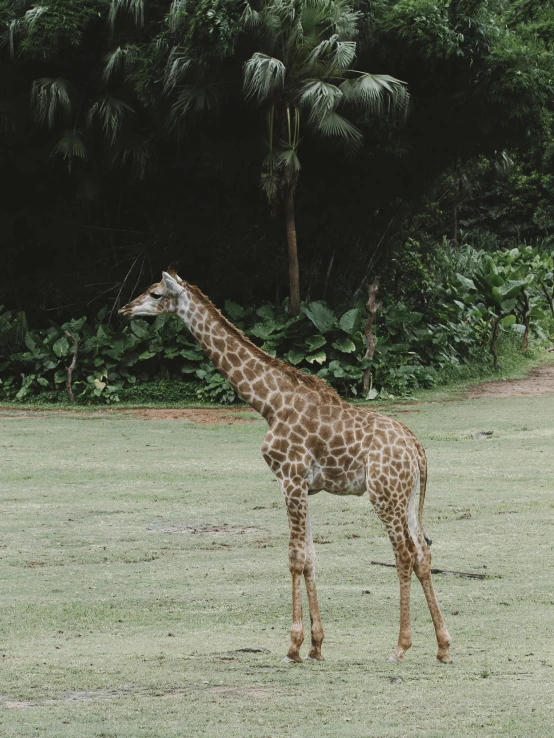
(204, 416)
(539, 382)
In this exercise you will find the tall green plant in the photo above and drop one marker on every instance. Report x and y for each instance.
(302, 78)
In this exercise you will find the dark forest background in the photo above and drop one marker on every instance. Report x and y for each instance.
(108, 178)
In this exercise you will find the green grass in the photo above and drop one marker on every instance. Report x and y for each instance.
(100, 563)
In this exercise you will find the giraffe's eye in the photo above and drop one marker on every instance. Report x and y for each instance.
(156, 295)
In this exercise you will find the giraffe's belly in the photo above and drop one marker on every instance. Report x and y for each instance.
(337, 481)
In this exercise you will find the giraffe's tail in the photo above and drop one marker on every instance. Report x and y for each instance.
(422, 463)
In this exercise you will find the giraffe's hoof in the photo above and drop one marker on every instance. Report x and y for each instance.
(396, 657)
(292, 660)
(444, 658)
(314, 657)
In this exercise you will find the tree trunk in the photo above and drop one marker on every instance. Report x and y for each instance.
(548, 297)
(294, 276)
(525, 315)
(372, 307)
(454, 225)
(69, 369)
(454, 216)
(495, 330)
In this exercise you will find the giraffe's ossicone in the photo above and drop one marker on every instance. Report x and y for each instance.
(316, 441)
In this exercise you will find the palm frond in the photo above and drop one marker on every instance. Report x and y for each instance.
(345, 53)
(32, 15)
(70, 147)
(332, 55)
(195, 100)
(177, 14)
(111, 113)
(114, 61)
(118, 61)
(27, 21)
(344, 19)
(377, 94)
(250, 17)
(135, 8)
(287, 160)
(50, 97)
(318, 98)
(177, 65)
(264, 76)
(333, 125)
(269, 182)
(13, 28)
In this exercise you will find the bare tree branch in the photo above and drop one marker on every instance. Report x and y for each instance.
(372, 307)
(69, 369)
(466, 574)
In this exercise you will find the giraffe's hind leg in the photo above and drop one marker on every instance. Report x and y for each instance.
(391, 476)
(405, 555)
(422, 568)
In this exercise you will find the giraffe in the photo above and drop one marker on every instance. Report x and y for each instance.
(316, 441)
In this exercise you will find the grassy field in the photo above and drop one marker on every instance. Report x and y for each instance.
(139, 558)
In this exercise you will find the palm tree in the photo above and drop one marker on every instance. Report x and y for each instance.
(302, 78)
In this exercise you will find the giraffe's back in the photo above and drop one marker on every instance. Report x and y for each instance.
(350, 446)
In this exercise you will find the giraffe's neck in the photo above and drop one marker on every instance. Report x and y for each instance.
(255, 376)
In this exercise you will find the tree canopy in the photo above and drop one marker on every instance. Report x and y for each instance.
(128, 140)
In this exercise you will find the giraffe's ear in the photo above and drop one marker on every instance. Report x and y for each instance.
(171, 285)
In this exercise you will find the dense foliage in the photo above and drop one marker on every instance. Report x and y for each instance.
(127, 142)
(509, 291)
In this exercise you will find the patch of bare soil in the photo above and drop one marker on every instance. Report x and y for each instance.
(106, 695)
(256, 692)
(202, 416)
(208, 416)
(539, 382)
(183, 529)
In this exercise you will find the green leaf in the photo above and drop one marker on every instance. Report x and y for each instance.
(345, 345)
(42, 381)
(233, 310)
(30, 343)
(511, 288)
(507, 305)
(263, 330)
(333, 125)
(146, 355)
(61, 346)
(140, 328)
(264, 76)
(294, 356)
(191, 354)
(318, 97)
(317, 358)
(466, 283)
(377, 94)
(70, 146)
(321, 316)
(351, 321)
(508, 321)
(315, 342)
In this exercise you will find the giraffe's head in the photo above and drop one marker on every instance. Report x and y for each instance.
(158, 299)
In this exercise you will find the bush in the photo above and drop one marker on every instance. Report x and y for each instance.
(508, 292)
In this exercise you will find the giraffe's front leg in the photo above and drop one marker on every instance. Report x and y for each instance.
(309, 577)
(296, 498)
